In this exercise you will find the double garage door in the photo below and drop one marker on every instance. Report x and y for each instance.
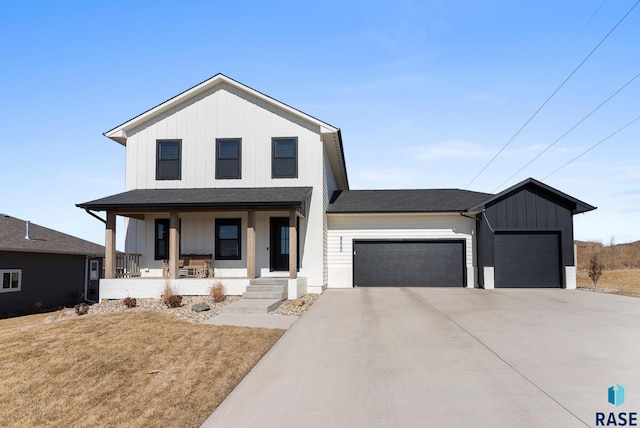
(527, 260)
(409, 263)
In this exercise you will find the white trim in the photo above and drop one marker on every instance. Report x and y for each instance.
(489, 278)
(10, 289)
(570, 281)
(119, 133)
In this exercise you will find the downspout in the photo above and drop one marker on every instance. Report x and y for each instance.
(95, 216)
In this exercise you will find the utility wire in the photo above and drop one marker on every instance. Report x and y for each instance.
(594, 146)
(582, 29)
(567, 132)
(553, 94)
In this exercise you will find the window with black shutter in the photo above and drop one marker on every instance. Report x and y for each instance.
(284, 158)
(168, 159)
(228, 158)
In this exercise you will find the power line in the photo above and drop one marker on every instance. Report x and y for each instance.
(594, 146)
(567, 132)
(582, 29)
(553, 94)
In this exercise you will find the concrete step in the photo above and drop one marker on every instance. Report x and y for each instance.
(269, 281)
(252, 306)
(266, 288)
(264, 294)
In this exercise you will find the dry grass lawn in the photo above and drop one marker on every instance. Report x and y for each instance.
(619, 281)
(142, 369)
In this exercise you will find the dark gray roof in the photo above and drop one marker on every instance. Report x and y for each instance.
(577, 205)
(200, 199)
(395, 201)
(43, 240)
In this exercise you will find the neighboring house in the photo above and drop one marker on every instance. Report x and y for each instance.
(225, 173)
(41, 268)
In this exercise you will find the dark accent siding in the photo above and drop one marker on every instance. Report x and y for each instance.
(527, 209)
(48, 281)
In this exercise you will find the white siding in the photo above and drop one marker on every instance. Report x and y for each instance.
(329, 186)
(227, 112)
(344, 229)
(223, 112)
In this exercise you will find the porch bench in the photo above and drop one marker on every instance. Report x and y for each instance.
(191, 266)
(196, 265)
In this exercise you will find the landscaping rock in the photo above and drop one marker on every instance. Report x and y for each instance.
(200, 307)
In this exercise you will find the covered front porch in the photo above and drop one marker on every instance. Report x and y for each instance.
(256, 234)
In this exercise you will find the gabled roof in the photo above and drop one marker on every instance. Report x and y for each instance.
(404, 201)
(202, 199)
(330, 134)
(42, 239)
(577, 205)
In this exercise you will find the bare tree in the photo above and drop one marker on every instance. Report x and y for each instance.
(595, 268)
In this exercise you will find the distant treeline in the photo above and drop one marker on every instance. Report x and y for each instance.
(619, 256)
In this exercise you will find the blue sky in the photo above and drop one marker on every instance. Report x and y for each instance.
(425, 92)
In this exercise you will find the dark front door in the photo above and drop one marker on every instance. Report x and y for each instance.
(279, 244)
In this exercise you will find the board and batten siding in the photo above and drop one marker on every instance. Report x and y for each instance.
(223, 112)
(345, 228)
(329, 186)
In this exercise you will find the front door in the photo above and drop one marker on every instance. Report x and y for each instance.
(92, 291)
(279, 244)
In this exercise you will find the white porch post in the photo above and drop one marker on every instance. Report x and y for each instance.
(293, 245)
(110, 246)
(251, 244)
(174, 240)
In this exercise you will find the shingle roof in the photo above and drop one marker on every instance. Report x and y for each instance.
(395, 201)
(181, 199)
(43, 240)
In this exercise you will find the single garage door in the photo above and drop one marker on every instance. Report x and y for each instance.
(527, 260)
(408, 263)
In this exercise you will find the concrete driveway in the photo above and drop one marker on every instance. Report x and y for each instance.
(413, 357)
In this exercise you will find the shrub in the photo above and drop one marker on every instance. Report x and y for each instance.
(595, 269)
(129, 302)
(168, 292)
(217, 292)
(81, 309)
(173, 301)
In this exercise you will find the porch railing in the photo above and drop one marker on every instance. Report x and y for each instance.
(127, 265)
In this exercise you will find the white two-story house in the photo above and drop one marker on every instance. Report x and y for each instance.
(224, 183)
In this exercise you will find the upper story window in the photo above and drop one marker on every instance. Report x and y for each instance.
(168, 159)
(11, 280)
(284, 158)
(228, 158)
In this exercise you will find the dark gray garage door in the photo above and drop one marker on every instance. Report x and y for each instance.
(408, 263)
(527, 260)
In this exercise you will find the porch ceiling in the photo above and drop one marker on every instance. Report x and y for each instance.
(145, 200)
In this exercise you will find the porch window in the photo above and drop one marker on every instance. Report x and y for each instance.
(228, 158)
(284, 158)
(228, 239)
(11, 280)
(168, 159)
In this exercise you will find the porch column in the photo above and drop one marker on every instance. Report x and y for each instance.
(110, 246)
(251, 245)
(293, 245)
(174, 240)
